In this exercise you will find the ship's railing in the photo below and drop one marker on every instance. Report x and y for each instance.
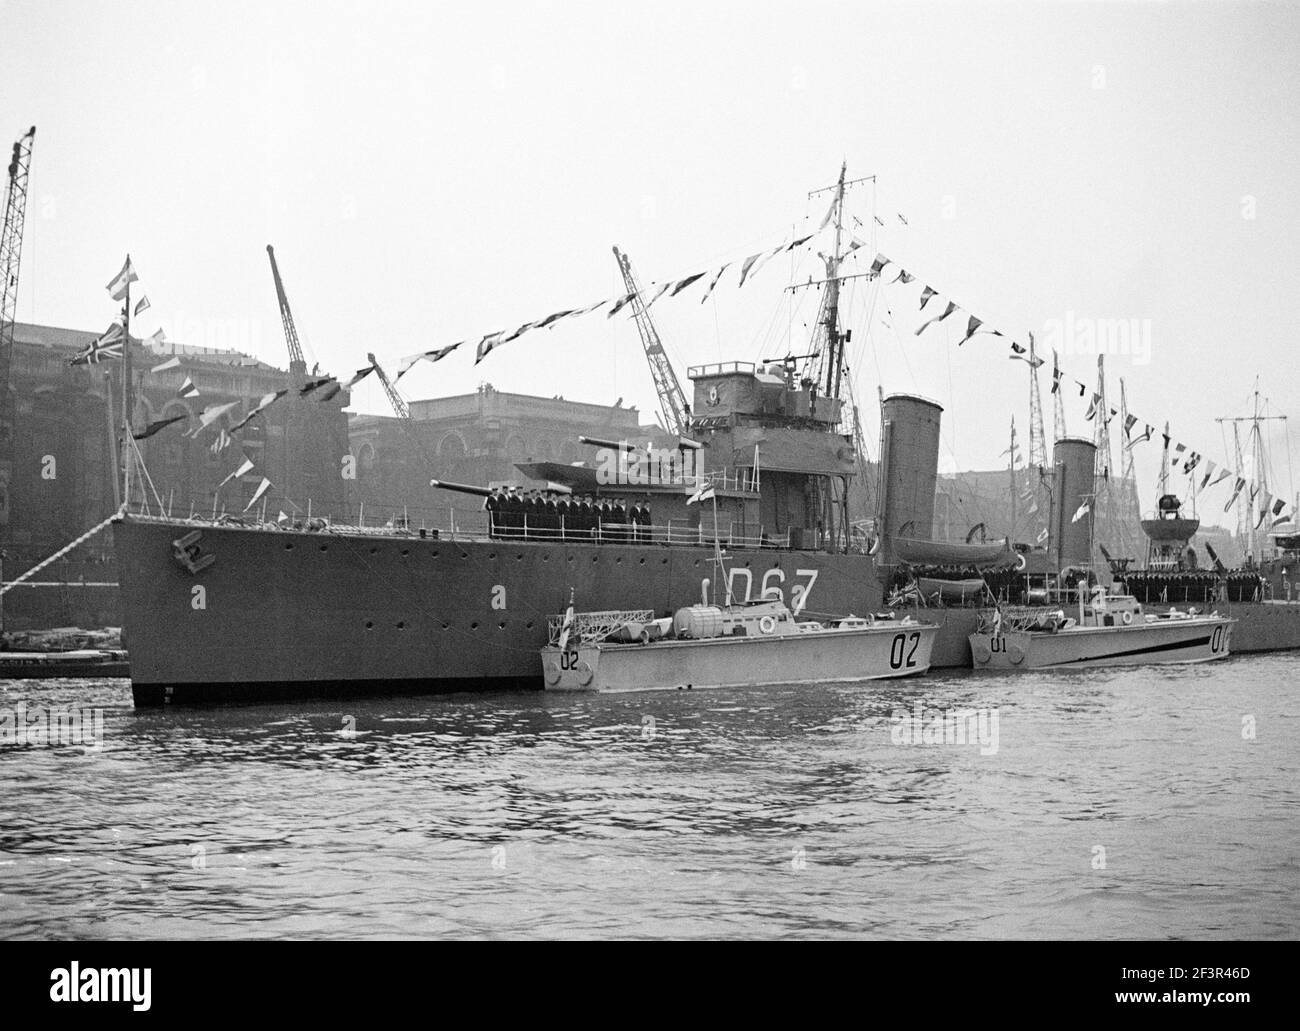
(558, 528)
(483, 526)
(742, 481)
(720, 369)
(1205, 593)
(595, 626)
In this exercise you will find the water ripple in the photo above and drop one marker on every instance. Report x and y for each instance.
(1117, 804)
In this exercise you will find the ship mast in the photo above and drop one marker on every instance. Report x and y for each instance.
(1164, 463)
(828, 351)
(1103, 460)
(1058, 406)
(1037, 436)
(1037, 445)
(1260, 465)
(826, 363)
(1128, 478)
(835, 360)
(1259, 469)
(1243, 522)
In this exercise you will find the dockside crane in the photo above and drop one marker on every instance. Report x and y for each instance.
(395, 399)
(672, 402)
(297, 363)
(295, 419)
(403, 411)
(11, 247)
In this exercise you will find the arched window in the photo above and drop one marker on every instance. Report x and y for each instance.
(451, 449)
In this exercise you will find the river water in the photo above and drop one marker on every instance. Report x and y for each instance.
(1149, 803)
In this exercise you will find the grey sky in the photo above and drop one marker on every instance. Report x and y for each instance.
(431, 173)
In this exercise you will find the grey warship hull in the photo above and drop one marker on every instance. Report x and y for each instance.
(279, 614)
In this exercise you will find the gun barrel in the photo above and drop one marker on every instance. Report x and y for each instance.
(683, 443)
(462, 488)
(617, 445)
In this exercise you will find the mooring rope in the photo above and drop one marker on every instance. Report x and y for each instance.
(4, 588)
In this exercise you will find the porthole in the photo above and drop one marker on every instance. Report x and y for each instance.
(474, 625)
(370, 625)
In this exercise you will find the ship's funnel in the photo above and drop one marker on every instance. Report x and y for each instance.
(909, 466)
(1073, 461)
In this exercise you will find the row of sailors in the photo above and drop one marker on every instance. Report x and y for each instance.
(538, 514)
(1202, 586)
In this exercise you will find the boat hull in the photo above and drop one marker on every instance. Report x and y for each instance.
(282, 614)
(1262, 626)
(56, 665)
(1156, 642)
(880, 652)
(956, 624)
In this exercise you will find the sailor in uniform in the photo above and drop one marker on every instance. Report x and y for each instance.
(552, 517)
(536, 514)
(514, 506)
(492, 506)
(562, 516)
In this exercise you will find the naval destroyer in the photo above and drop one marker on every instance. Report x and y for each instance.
(235, 609)
(230, 610)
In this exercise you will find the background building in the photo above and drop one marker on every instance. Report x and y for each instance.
(474, 439)
(63, 463)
